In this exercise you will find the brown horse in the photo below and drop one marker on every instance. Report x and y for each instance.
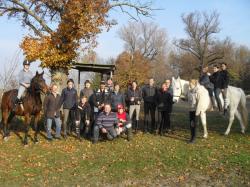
(32, 105)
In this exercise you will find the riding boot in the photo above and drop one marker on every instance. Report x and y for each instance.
(213, 102)
(78, 130)
(193, 125)
(136, 126)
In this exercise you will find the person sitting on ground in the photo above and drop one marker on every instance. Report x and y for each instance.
(83, 117)
(205, 81)
(124, 122)
(105, 123)
(52, 112)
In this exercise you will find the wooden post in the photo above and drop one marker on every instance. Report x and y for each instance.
(79, 81)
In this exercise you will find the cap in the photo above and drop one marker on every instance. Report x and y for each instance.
(120, 106)
(26, 62)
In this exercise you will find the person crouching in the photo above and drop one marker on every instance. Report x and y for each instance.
(124, 123)
(105, 123)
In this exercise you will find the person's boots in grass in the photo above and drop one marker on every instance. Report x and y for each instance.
(129, 134)
(146, 127)
(136, 126)
(193, 124)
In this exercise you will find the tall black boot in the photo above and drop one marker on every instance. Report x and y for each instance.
(136, 126)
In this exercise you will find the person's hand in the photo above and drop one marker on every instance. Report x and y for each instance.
(139, 102)
(104, 130)
(77, 122)
(87, 122)
(132, 99)
(222, 90)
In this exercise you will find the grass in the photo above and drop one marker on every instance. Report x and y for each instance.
(145, 161)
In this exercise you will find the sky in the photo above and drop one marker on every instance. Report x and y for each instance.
(234, 23)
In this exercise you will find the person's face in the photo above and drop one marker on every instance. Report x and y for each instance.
(168, 83)
(134, 85)
(110, 82)
(70, 85)
(120, 110)
(223, 67)
(117, 88)
(205, 70)
(164, 87)
(151, 82)
(84, 100)
(54, 89)
(215, 69)
(26, 67)
(87, 85)
(102, 86)
(107, 108)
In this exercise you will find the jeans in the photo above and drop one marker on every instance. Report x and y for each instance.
(69, 117)
(224, 95)
(58, 127)
(111, 133)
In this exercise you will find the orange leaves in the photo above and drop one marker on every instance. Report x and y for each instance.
(131, 68)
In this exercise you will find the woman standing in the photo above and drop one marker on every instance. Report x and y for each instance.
(164, 105)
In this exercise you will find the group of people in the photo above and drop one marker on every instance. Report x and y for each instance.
(107, 112)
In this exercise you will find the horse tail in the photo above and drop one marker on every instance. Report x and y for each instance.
(243, 108)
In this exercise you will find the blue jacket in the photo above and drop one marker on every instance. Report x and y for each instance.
(69, 98)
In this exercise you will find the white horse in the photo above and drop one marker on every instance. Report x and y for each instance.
(236, 103)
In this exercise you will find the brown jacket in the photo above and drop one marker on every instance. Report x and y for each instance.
(50, 106)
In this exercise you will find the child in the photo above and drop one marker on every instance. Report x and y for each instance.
(83, 113)
(193, 119)
(124, 122)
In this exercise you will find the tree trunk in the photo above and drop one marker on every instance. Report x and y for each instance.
(59, 77)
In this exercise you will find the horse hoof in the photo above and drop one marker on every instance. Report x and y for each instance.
(25, 145)
(226, 133)
(5, 138)
(205, 136)
(243, 132)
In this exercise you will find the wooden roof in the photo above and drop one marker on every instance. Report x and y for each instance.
(98, 68)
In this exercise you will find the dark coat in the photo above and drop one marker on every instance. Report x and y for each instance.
(116, 99)
(83, 112)
(164, 101)
(137, 94)
(69, 98)
(215, 78)
(225, 79)
(205, 81)
(149, 94)
(101, 97)
(50, 106)
(88, 92)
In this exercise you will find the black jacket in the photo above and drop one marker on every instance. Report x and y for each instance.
(225, 79)
(205, 81)
(83, 112)
(215, 78)
(68, 98)
(136, 94)
(164, 101)
(101, 97)
(116, 99)
(149, 94)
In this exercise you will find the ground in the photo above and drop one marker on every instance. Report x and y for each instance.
(145, 161)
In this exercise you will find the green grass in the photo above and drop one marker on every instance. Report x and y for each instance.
(145, 161)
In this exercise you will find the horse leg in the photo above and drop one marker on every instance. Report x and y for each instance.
(231, 119)
(27, 123)
(5, 124)
(238, 116)
(37, 127)
(204, 124)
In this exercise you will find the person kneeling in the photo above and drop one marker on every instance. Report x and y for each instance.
(124, 123)
(105, 124)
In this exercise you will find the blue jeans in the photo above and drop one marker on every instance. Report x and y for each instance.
(111, 133)
(58, 127)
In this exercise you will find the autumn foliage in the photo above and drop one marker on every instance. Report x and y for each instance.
(131, 68)
(80, 21)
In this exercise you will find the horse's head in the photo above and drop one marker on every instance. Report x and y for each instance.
(180, 88)
(38, 83)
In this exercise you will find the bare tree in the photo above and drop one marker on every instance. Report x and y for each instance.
(147, 38)
(8, 79)
(200, 42)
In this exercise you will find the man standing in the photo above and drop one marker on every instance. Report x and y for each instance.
(117, 98)
(69, 100)
(149, 96)
(105, 124)
(52, 112)
(24, 77)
